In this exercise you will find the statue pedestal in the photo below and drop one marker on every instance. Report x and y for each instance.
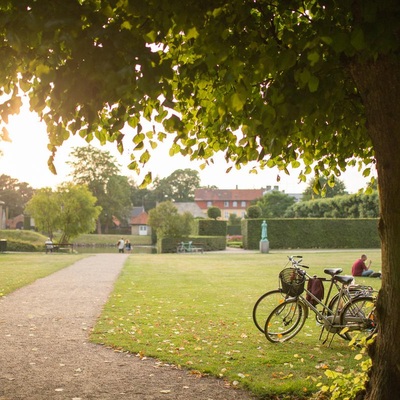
(264, 246)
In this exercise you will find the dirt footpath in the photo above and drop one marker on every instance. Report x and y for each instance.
(45, 353)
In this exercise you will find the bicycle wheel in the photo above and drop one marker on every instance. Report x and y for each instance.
(264, 305)
(333, 303)
(285, 321)
(359, 316)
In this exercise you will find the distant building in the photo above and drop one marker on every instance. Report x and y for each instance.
(297, 196)
(16, 222)
(190, 207)
(139, 222)
(229, 201)
(232, 201)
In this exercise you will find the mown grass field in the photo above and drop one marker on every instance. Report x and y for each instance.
(20, 269)
(195, 311)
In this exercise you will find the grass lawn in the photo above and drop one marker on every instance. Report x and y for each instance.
(20, 269)
(195, 311)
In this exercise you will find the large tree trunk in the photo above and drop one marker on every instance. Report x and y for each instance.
(379, 86)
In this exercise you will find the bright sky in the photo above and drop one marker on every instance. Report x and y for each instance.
(25, 159)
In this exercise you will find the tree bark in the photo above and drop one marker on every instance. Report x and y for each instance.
(379, 86)
(98, 226)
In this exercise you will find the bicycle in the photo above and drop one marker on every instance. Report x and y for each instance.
(188, 247)
(349, 312)
(269, 300)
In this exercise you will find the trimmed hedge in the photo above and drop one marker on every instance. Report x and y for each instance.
(210, 227)
(311, 233)
(208, 243)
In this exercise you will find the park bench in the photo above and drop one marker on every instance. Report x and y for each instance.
(189, 247)
(58, 247)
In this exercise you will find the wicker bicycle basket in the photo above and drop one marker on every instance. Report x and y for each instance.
(292, 282)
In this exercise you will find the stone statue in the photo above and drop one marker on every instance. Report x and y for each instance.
(264, 231)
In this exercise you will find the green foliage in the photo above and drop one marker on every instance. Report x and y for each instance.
(347, 206)
(78, 211)
(234, 230)
(15, 194)
(346, 386)
(254, 212)
(266, 57)
(322, 187)
(210, 227)
(179, 186)
(274, 204)
(44, 208)
(214, 212)
(234, 220)
(20, 246)
(116, 201)
(167, 222)
(313, 233)
(70, 209)
(25, 236)
(98, 170)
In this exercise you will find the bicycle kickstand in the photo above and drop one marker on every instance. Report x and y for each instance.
(332, 335)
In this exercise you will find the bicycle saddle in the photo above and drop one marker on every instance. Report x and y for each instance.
(333, 271)
(345, 279)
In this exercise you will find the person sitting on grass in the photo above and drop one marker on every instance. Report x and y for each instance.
(360, 268)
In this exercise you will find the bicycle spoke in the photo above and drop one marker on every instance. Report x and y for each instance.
(285, 321)
(360, 318)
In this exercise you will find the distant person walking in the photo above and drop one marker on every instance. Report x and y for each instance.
(121, 245)
(360, 268)
(128, 246)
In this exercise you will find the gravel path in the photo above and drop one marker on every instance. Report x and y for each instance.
(45, 353)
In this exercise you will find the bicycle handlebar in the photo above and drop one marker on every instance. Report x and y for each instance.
(295, 262)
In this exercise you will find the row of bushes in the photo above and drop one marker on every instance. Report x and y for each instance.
(312, 233)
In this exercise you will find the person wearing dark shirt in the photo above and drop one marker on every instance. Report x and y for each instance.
(360, 268)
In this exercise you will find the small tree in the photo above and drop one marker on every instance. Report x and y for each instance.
(45, 210)
(214, 212)
(234, 220)
(167, 222)
(274, 204)
(71, 209)
(78, 212)
(254, 212)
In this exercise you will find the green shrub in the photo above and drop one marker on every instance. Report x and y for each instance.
(214, 212)
(254, 212)
(13, 245)
(210, 227)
